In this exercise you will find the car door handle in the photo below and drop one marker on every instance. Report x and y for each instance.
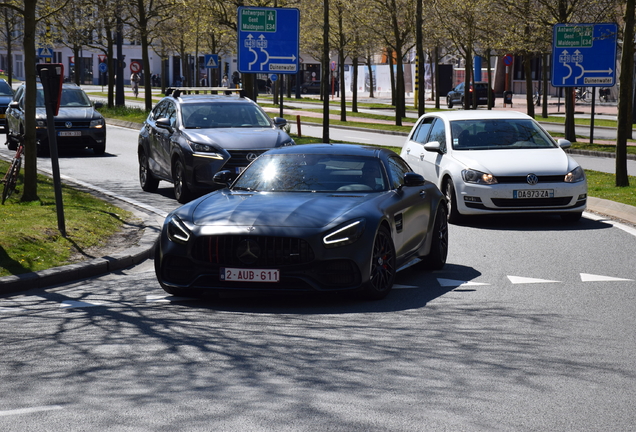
(423, 194)
(408, 150)
(422, 156)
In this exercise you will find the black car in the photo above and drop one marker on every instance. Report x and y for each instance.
(456, 95)
(310, 87)
(186, 139)
(6, 95)
(78, 124)
(308, 218)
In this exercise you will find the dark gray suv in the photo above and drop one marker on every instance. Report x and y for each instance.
(186, 139)
(78, 124)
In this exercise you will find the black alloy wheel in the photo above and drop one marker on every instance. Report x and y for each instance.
(181, 190)
(148, 181)
(382, 266)
(436, 259)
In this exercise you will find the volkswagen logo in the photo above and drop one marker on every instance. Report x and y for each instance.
(68, 125)
(248, 251)
(532, 179)
(251, 156)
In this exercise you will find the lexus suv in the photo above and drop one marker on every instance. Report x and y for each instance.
(187, 138)
(78, 124)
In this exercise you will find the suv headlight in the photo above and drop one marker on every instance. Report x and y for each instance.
(344, 234)
(97, 123)
(209, 150)
(40, 124)
(478, 177)
(575, 176)
(291, 142)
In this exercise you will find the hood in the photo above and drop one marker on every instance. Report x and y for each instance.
(302, 210)
(72, 114)
(549, 161)
(238, 138)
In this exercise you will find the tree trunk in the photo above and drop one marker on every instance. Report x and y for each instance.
(527, 69)
(625, 96)
(325, 72)
(30, 192)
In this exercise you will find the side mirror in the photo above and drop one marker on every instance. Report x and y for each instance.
(279, 122)
(413, 179)
(563, 143)
(432, 146)
(224, 177)
(98, 104)
(163, 123)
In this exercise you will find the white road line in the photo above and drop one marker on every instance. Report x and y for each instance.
(30, 410)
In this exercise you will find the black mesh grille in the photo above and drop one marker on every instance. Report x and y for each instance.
(76, 124)
(532, 202)
(261, 251)
(239, 158)
(523, 179)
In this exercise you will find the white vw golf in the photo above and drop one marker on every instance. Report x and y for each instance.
(496, 162)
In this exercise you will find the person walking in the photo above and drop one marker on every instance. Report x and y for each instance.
(134, 83)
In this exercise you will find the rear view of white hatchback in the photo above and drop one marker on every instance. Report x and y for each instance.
(496, 162)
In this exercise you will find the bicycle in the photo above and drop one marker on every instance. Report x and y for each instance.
(580, 94)
(135, 88)
(11, 177)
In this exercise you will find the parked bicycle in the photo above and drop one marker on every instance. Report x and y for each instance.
(11, 177)
(581, 94)
(604, 94)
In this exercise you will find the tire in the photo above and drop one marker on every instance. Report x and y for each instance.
(436, 259)
(148, 182)
(449, 102)
(11, 179)
(382, 266)
(449, 190)
(181, 191)
(571, 217)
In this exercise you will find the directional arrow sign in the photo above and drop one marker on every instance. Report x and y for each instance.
(268, 40)
(584, 55)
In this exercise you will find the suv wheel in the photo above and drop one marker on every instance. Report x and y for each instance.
(148, 181)
(181, 191)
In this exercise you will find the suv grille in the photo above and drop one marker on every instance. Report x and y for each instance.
(523, 179)
(239, 158)
(77, 124)
(260, 251)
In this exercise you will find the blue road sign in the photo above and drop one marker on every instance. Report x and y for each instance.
(103, 67)
(211, 61)
(45, 52)
(268, 40)
(584, 55)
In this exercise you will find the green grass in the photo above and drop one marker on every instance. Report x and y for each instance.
(603, 185)
(29, 235)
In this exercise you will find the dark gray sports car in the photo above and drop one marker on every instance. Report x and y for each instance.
(316, 217)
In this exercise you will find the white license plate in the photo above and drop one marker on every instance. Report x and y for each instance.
(69, 133)
(250, 275)
(540, 193)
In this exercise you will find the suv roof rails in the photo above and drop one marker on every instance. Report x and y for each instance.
(178, 91)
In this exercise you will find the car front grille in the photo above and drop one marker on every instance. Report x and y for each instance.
(532, 202)
(76, 124)
(259, 251)
(524, 180)
(241, 158)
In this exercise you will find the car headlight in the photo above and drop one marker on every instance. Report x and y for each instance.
(478, 177)
(97, 123)
(291, 142)
(40, 123)
(209, 150)
(344, 234)
(177, 231)
(575, 176)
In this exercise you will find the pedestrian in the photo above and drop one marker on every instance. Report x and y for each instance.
(225, 83)
(134, 83)
(236, 79)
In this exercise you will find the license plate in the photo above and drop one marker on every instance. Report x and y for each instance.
(69, 133)
(250, 275)
(540, 193)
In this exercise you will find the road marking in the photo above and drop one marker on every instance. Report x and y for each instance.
(159, 298)
(526, 280)
(77, 304)
(30, 410)
(457, 283)
(586, 277)
(398, 286)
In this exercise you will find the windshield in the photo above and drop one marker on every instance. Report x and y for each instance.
(313, 173)
(223, 115)
(71, 97)
(489, 134)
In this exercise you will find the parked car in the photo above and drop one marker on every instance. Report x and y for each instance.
(496, 162)
(456, 95)
(308, 218)
(6, 95)
(310, 87)
(186, 139)
(78, 124)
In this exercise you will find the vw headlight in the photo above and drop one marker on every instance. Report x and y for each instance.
(97, 123)
(478, 177)
(575, 176)
(177, 231)
(344, 234)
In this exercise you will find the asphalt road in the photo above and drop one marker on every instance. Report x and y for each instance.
(528, 327)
